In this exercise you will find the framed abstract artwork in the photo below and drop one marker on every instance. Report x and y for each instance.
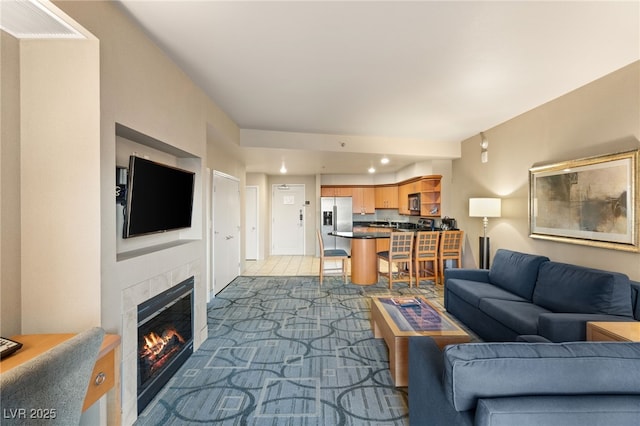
(592, 201)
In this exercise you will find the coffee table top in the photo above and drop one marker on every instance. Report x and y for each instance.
(417, 317)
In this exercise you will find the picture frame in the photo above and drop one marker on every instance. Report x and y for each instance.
(591, 201)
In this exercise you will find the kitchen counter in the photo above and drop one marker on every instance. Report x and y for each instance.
(364, 257)
(392, 225)
(360, 235)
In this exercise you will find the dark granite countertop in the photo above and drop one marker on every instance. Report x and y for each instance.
(360, 235)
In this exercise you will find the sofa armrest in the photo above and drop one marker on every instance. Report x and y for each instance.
(570, 327)
(475, 371)
(481, 275)
(428, 404)
(588, 410)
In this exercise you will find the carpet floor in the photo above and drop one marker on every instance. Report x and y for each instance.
(284, 351)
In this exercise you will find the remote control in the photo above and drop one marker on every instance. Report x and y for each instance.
(8, 346)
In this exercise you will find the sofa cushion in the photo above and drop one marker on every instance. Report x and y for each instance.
(532, 338)
(516, 272)
(521, 317)
(473, 291)
(569, 288)
(570, 327)
(492, 370)
(590, 410)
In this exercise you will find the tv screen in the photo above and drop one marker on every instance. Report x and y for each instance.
(159, 198)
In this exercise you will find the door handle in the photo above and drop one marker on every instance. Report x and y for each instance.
(228, 237)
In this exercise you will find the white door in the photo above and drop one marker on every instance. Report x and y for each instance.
(251, 223)
(287, 218)
(226, 230)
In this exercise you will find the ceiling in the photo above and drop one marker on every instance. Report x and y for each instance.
(331, 86)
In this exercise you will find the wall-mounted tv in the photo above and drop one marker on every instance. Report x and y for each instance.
(159, 198)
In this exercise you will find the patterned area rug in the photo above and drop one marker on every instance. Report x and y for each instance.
(283, 351)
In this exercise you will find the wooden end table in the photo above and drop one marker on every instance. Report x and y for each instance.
(395, 324)
(613, 331)
(105, 378)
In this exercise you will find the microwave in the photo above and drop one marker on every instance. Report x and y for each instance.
(414, 204)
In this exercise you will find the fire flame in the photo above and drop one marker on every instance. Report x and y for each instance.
(155, 344)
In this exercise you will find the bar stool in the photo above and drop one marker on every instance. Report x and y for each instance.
(332, 254)
(400, 254)
(450, 249)
(426, 251)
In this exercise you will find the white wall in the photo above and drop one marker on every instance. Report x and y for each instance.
(599, 118)
(60, 185)
(142, 89)
(10, 233)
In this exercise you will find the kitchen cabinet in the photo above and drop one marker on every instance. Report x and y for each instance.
(366, 199)
(430, 196)
(382, 244)
(363, 200)
(430, 191)
(404, 190)
(386, 197)
(336, 191)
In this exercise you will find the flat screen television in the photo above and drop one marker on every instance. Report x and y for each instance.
(159, 198)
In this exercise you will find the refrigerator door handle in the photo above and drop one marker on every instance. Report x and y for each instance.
(335, 217)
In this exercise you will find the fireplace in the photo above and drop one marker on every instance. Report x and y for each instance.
(165, 338)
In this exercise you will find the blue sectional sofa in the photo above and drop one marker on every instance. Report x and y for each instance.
(524, 384)
(529, 297)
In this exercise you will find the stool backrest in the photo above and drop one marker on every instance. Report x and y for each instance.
(426, 245)
(400, 245)
(451, 244)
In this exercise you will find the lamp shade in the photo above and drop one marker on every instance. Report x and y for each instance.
(485, 207)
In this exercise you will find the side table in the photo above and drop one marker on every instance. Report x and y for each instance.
(105, 378)
(613, 331)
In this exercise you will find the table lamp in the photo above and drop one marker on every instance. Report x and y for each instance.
(484, 208)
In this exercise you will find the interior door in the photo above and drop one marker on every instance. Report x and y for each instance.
(251, 223)
(226, 230)
(287, 219)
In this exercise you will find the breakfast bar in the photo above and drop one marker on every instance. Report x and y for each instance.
(364, 262)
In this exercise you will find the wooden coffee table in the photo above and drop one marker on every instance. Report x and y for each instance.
(395, 324)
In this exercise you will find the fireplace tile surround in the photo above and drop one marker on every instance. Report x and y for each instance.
(134, 295)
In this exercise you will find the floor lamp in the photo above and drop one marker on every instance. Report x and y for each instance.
(484, 208)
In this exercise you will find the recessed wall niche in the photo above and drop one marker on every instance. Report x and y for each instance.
(132, 142)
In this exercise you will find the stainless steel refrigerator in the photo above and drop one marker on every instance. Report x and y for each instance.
(336, 214)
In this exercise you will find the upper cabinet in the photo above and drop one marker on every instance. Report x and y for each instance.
(404, 189)
(367, 199)
(429, 189)
(362, 197)
(363, 200)
(430, 196)
(386, 197)
(336, 191)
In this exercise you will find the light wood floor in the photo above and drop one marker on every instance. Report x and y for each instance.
(283, 265)
(294, 265)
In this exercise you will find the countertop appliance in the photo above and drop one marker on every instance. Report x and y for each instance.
(449, 224)
(414, 204)
(336, 215)
(425, 225)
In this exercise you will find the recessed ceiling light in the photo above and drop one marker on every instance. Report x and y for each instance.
(372, 170)
(384, 160)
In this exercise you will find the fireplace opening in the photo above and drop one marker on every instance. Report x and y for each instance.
(165, 338)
